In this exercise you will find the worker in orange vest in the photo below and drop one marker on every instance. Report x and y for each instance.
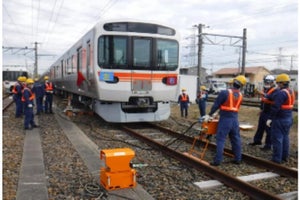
(17, 95)
(281, 119)
(228, 101)
(28, 99)
(184, 102)
(49, 88)
(266, 103)
(201, 100)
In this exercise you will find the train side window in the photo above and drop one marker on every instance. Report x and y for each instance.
(88, 62)
(79, 59)
(62, 68)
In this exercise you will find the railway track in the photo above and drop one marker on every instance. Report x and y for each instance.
(223, 176)
(7, 101)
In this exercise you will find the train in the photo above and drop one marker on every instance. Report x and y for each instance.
(10, 74)
(124, 70)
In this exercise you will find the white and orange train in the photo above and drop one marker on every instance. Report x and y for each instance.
(126, 71)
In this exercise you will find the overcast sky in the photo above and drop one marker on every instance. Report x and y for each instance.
(272, 28)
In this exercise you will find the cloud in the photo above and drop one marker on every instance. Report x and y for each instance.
(56, 25)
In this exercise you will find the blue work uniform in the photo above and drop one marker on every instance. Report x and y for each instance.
(28, 98)
(201, 101)
(184, 101)
(228, 123)
(17, 96)
(282, 120)
(39, 92)
(266, 102)
(49, 88)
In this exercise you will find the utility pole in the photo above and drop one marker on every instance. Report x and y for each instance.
(200, 46)
(35, 60)
(200, 43)
(244, 51)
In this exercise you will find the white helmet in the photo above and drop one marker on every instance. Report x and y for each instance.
(268, 81)
(269, 78)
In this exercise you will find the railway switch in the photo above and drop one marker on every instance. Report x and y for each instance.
(117, 173)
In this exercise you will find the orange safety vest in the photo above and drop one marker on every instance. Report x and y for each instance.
(49, 87)
(183, 97)
(289, 103)
(232, 104)
(31, 98)
(266, 100)
(14, 90)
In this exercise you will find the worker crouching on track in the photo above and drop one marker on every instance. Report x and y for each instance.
(228, 101)
(28, 98)
(281, 119)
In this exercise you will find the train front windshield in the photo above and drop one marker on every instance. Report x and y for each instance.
(13, 75)
(130, 52)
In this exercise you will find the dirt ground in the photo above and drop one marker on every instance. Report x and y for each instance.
(247, 115)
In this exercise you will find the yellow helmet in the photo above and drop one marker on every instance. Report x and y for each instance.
(29, 81)
(19, 78)
(36, 79)
(183, 89)
(282, 78)
(46, 78)
(23, 79)
(241, 79)
(202, 87)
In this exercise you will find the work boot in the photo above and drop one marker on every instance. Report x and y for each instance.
(265, 148)
(254, 143)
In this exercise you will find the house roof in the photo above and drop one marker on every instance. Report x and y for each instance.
(235, 70)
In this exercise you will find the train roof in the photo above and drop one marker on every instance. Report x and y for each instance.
(14, 68)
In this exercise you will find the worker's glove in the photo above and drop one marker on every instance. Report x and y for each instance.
(203, 96)
(268, 123)
(30, 105)
(207, 118)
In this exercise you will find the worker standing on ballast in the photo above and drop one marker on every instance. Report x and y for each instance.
(17, 95)
(267, 97)
(201, 100)
(28, 99)
(184, 102)
(49, 88)
(281, 119)
(39, 92)
(228, 101)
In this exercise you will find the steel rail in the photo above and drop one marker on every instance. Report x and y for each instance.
(280, 169)
(231, 181)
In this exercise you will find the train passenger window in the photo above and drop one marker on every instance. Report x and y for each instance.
(79, 59)
(112, 52)
(167, 54)
(142, 52)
